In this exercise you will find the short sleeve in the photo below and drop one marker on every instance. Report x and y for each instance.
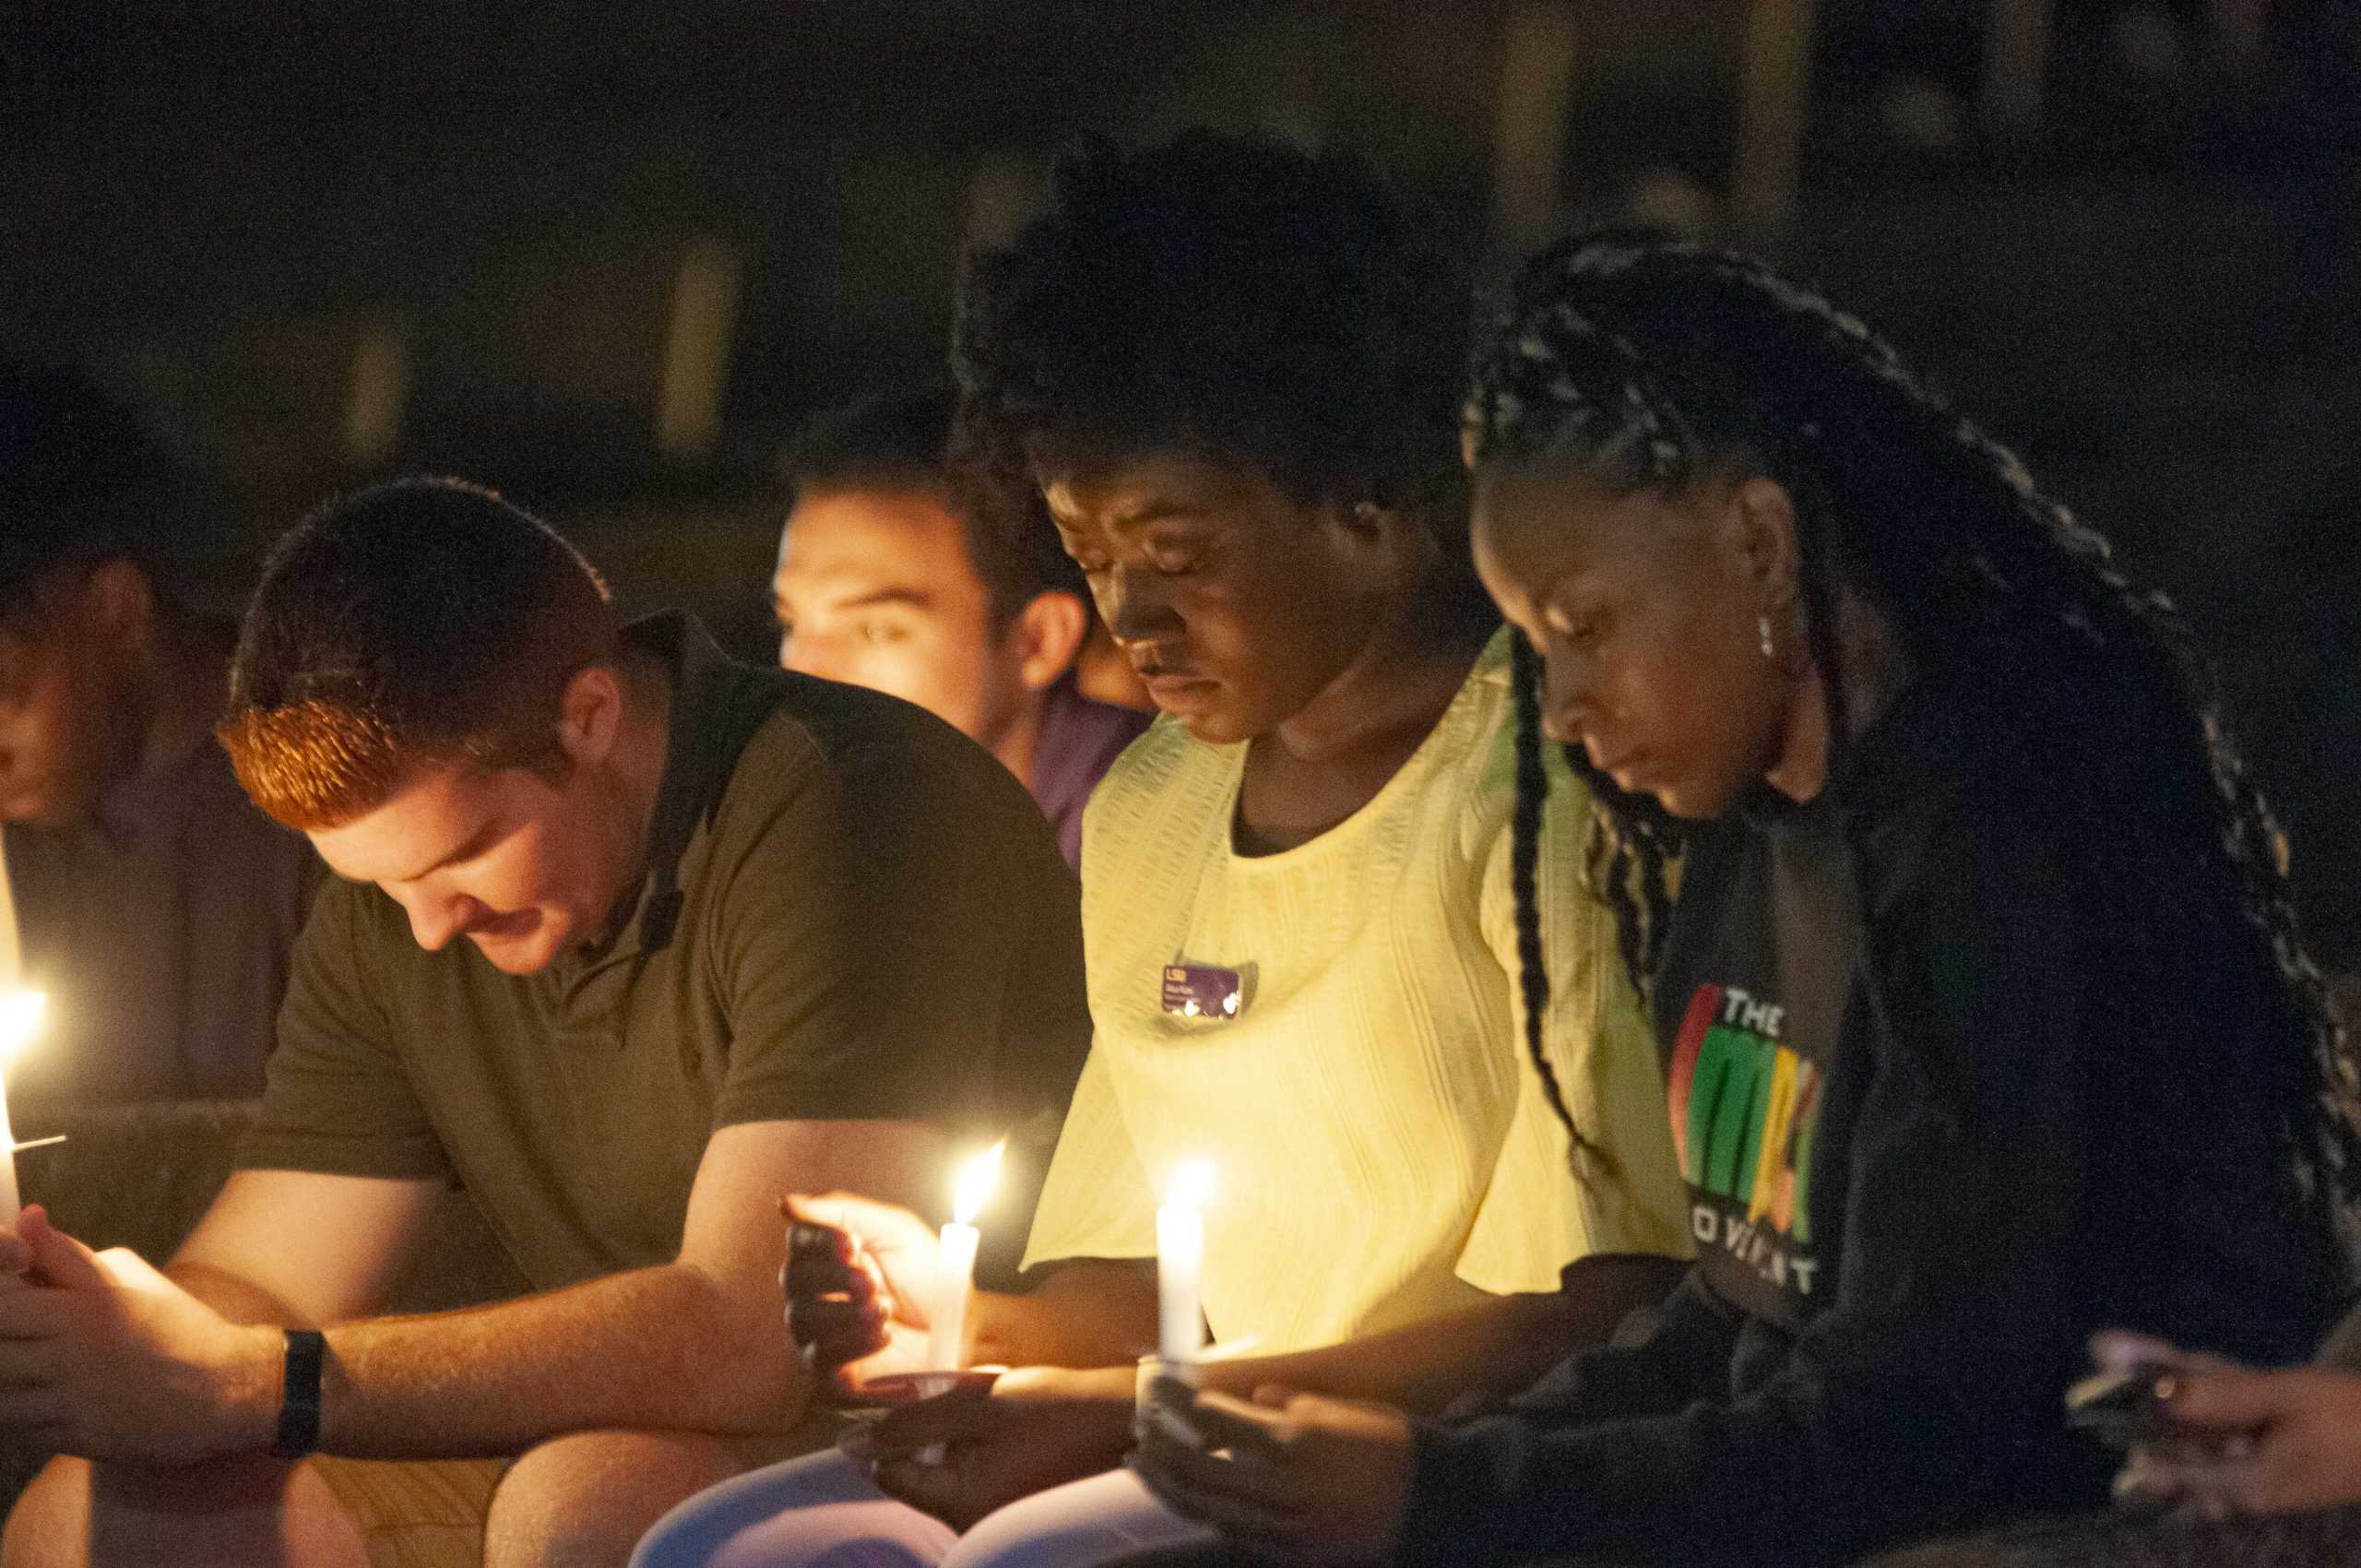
(1097, 1202)
(1535, 1217)
(337, 1097)
(897, 937)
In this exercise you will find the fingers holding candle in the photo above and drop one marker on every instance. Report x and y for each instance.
(839, 1303)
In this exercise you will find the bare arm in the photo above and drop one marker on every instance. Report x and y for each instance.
(1504, 1343)
(299, 1248)
(695, 1343)
(1500, 1345)
(1087, 1313)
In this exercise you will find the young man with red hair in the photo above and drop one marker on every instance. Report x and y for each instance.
(629, 939)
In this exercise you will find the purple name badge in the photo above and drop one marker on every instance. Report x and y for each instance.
(1202, 991)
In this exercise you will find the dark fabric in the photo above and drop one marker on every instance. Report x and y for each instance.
(161, 933)
(2329, 1538)
(850, 910)
(1079, 741)
(1935, 1137)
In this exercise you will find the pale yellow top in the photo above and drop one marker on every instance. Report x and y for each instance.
(1381, 1148)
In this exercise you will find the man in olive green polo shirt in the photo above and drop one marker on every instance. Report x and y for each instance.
(630, 940)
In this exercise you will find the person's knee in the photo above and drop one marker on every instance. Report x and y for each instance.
(252, 1514)
(584, 1501)
(820, 1511)
(49, 1527)
(1105, 1518)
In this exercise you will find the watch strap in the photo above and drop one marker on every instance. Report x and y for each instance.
(299, 1401)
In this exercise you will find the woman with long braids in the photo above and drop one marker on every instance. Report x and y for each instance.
(1984, 1019)
(1232, 372)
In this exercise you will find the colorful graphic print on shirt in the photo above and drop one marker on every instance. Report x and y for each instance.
(1744, 1110)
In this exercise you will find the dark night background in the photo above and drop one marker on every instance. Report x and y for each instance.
(318, 242)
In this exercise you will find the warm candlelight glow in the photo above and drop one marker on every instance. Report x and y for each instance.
(946, 1340)
(1180, 1266)
(1191, 1186)
(974, 1187)
(21, 1013)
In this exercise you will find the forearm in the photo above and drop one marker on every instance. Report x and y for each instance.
(669, 1346)
(1501, 1345)
(239, 1301)
(1089, 1313)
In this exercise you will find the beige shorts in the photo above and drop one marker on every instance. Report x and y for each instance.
(415, 1512)
(431, 1513)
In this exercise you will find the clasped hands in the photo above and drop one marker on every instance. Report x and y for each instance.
(1291, 1475)
(101, 1355)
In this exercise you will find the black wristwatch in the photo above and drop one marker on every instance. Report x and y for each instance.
(299, 1400)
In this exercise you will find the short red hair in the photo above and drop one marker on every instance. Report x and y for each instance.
(420, 623)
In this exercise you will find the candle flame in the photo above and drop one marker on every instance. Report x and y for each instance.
(974, 1187)
(1191, 1186)
(21, 1013)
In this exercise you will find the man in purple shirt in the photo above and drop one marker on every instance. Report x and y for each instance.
(885, 581)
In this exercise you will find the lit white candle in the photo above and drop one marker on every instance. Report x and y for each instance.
(1179, 1268)
(947, 1324)
(20, 1016)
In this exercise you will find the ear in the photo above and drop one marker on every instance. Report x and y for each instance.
(120, 601)
(590, 714)
(1390, 541)
(1761, 521)
(1048, 634)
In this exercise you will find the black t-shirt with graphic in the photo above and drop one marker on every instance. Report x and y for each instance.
(1936, 1133)
(1758, 1008)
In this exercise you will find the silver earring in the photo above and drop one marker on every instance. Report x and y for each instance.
(1762, 624)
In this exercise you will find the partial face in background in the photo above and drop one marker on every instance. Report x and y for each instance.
(72, 708)
(1237, 605)
(875, 587)
(1645, 608)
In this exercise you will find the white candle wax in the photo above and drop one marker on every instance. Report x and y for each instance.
(10, 1204)
(1179, 1268)
(947, 1324)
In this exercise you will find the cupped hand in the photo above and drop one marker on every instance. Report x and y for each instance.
(102, 1357)
(1297, 1476)
(858, 1279)
(1035, 1428)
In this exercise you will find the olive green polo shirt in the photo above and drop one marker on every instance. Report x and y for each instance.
(850, 910)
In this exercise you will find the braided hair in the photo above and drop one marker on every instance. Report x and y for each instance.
(1650, 367)
(1525, 860)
